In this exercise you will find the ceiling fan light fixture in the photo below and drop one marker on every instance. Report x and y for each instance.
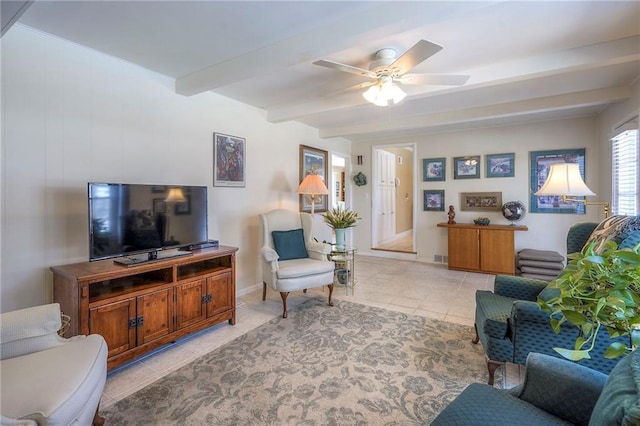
(372, 94)
(382, 93)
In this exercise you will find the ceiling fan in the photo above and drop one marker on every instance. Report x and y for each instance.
(387, 70)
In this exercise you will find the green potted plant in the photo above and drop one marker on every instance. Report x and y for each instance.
(598, 289)
(339, 219)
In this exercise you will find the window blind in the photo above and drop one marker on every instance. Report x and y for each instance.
(625, 169)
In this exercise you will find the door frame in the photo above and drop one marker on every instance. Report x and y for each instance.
(375, 192)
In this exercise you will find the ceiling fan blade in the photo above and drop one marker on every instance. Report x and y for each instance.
(434, 79)
(352, 88)
(345, 68)
(412, 57)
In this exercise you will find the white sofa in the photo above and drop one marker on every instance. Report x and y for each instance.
(46, 379)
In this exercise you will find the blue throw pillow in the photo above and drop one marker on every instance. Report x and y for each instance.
(631, 240)
(289, 244)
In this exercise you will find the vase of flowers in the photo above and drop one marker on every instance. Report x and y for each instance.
(339, 219)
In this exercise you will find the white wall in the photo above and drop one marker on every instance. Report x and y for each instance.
(71, 115)
(546, 231)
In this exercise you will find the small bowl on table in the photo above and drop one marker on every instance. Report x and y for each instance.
(483, 222)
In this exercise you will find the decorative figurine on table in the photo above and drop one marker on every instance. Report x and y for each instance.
(452, 215)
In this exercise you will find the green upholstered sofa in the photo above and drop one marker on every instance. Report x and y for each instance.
(554, 392)
(509, 322)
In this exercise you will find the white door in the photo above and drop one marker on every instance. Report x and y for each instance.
(386, 196)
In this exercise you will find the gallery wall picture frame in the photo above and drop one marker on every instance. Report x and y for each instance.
(500, 165)
(540, 162)
(229, 160)
(480, 201)
(158, 189)
(159, 205)
(434, 169)
(467, 167)
(433, 200)
(313, 161)
(183, 207)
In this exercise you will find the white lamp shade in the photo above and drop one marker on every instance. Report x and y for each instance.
(313, 185)
(564, 179)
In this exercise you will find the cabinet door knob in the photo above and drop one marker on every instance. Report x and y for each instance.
(140, 321)
(133, 322)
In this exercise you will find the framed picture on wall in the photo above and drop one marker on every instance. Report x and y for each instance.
(500, 165)
(433, 200)
(229, 160)
(313, 161)
(466, 167)
(434, 169)
(541, 161)
(480, 201)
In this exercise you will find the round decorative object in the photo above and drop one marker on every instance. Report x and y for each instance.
(514, 211)
(360, 179)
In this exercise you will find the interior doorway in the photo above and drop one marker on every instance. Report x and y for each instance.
(339, 186)
(393, 210)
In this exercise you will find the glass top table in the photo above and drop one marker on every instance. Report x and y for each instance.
(345, 262)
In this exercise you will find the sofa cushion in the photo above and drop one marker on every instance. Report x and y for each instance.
(51, 386)
(492, 313)
(630, 241)
(616, 228)
(483, 405)
(289, 244)
(549, 293)
(619, 402)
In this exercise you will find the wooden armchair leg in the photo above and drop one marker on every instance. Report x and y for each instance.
(98, 420)
(284, 295)
(492, 366)
(330, 294)
(264, 291)
(476, 339)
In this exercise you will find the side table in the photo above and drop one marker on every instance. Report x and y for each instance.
(345, 262)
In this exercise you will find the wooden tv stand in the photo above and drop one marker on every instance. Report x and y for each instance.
(141, 307)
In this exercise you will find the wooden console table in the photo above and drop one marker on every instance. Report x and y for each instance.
(139, 308)
(482, 248)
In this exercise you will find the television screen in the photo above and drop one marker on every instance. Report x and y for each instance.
(127, 219)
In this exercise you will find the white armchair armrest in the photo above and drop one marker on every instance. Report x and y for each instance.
(269, 254)
(30, 330)
(318, 251)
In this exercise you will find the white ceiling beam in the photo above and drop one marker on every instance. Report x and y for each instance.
(579, 59)
(508, 109)
(381, 19)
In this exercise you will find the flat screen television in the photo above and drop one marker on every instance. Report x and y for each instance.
(133, 219)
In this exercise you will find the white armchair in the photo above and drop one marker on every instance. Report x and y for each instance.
(291, 260)
(46, 379)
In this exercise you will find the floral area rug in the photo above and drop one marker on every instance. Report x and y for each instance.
(349, 364)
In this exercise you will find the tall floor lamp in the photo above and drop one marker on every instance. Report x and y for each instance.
(564, 179)
(313, 186)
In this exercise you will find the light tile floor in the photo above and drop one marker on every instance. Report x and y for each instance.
(416, 288)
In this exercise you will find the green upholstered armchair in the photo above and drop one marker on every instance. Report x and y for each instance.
(510, 324)
(554, 392)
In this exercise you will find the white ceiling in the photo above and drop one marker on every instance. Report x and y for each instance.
(528, 60)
